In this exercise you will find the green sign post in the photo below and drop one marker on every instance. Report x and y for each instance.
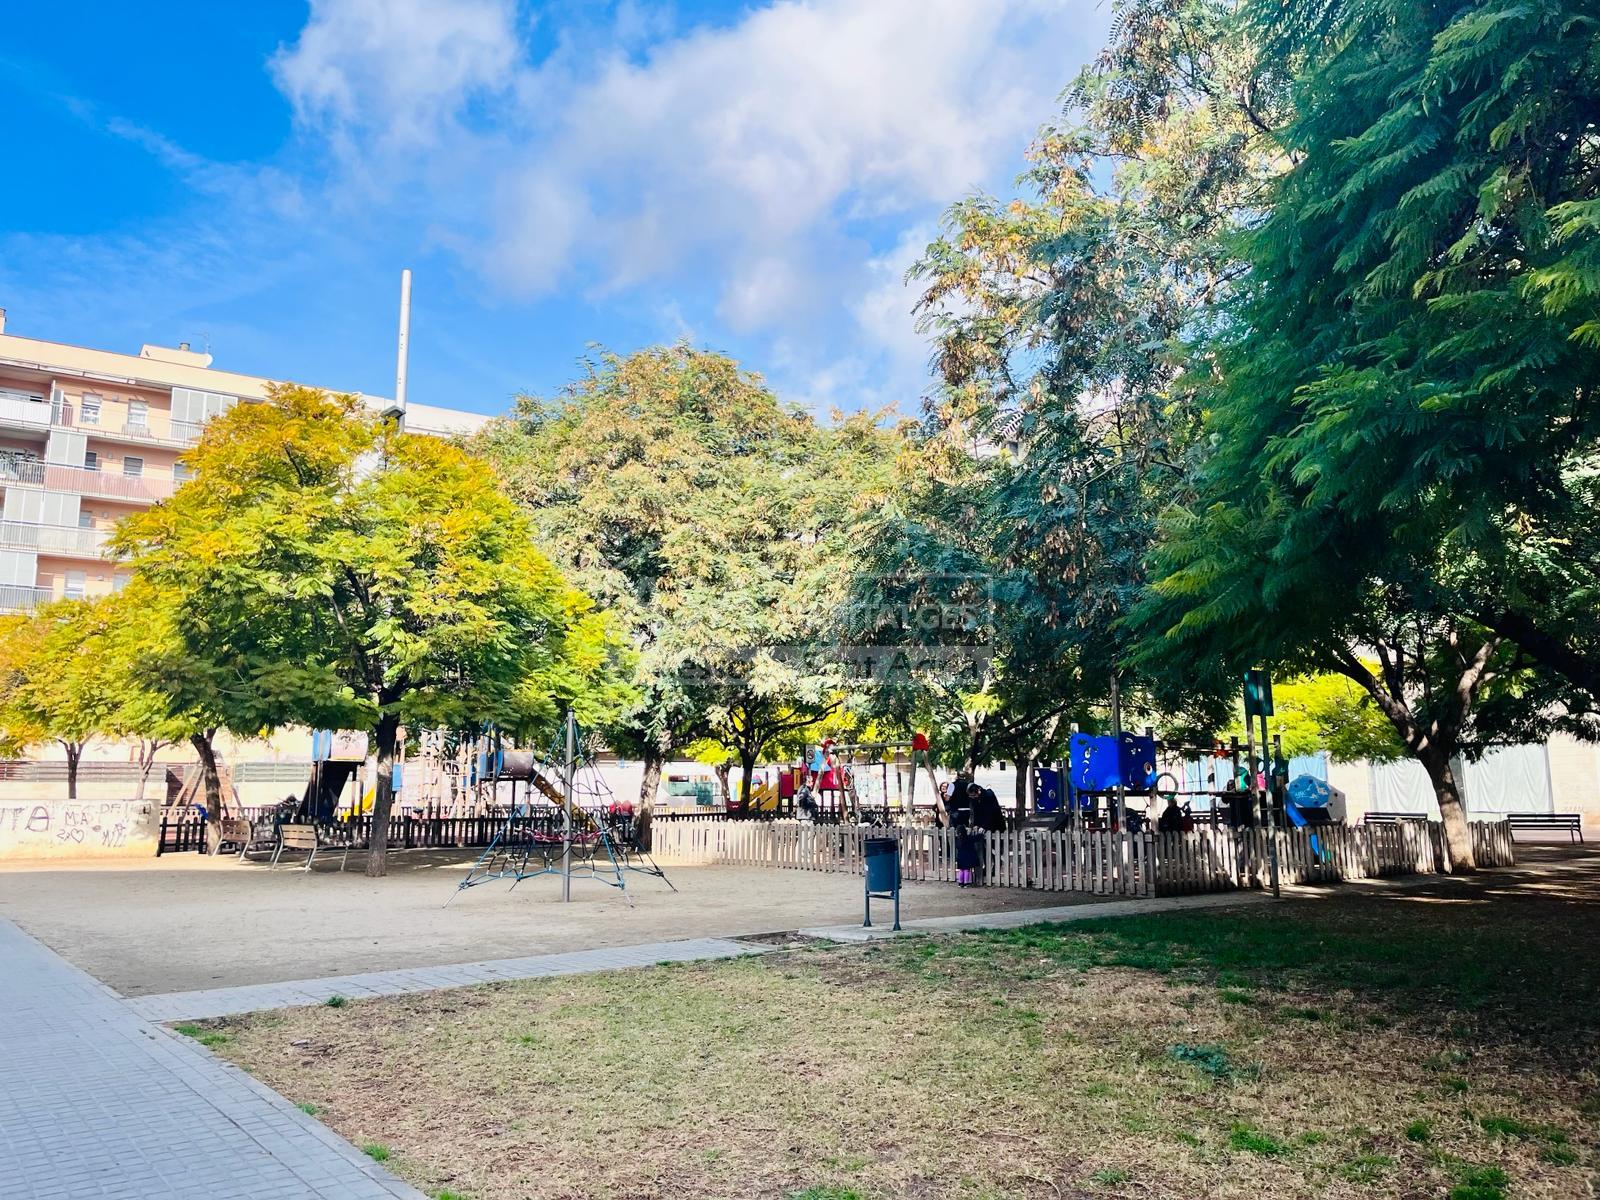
(1258, 705)
(1257, 694)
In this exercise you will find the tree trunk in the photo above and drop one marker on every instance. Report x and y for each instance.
(1024, 777)
(1452, 812)
(969, 755)
(74, 753)
(383, 797)
(213, 785)
(747, 770)
(724, 769)
(649, 787)
(208, 768)
(147, 761)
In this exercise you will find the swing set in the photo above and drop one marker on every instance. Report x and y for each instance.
(857, 775)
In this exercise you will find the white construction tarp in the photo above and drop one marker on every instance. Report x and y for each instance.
(1515, 779)
(1402, 787)
(1510, 779)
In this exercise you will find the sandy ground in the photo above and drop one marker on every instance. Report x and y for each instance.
(185, 922)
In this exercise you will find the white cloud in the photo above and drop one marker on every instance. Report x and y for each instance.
(884, 309)
(754, 172)
(761, 140)
(396, 72)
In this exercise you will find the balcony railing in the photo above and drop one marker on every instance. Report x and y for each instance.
(16, 597)
(67, 415)
(58, 478)
(53, 539)
(29, 412)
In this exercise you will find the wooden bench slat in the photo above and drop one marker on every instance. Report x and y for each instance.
(298, 837)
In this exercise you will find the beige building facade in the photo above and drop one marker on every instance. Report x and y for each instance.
(89, 436)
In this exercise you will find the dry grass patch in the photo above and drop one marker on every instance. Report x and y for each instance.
(1343, 1049)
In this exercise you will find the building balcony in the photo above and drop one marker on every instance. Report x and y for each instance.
(158, 429)
(16, 597)
(64, 540)
(104, 484)
(19, 410)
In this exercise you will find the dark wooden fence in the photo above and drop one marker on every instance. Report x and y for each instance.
(425, 831)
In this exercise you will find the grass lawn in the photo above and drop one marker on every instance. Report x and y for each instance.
(1352, 1046)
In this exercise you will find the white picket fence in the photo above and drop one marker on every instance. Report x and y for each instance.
(1111, 864)
(1117, 864)
(1492, 843)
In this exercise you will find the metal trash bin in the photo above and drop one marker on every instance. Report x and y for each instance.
(882, 875)
(883, 864)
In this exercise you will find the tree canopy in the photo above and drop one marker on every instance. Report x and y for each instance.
(1398, 394)
(332, 570)
(712, 520)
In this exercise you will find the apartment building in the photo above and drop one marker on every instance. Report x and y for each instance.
(89, 436)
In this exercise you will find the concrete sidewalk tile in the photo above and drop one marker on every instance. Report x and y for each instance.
(115, 1106)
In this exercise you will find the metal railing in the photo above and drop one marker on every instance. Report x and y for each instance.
(64, 415)
(54, 539)
(60, 478)
(31, 412)
(16, 597)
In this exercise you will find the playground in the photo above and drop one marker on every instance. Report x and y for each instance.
(1439, 1042)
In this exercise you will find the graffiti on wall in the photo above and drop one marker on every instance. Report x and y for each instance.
(50, 827)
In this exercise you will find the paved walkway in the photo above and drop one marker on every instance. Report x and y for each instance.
(883, 916)
(96, 1101)
(222, 1002)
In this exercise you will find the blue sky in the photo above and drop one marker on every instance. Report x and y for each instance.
(755, 178)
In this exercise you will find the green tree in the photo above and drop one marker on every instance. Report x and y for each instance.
(709, 517)
(1401, 399)
(134, 633)
(1330, 713)
(1063, 427)
(58, 680)
(1424, 305)
(333, 570)
(108, 666)
(20, 635)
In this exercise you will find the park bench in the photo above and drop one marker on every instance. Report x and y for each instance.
(1569, 823)
(338, 837)
(262, 839)
(1390, 818)
(297, 837)
(236, 831)
(312, 838)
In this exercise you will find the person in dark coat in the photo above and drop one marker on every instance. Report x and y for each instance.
(986, 811)
(1171, 819)
(1241, 808)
